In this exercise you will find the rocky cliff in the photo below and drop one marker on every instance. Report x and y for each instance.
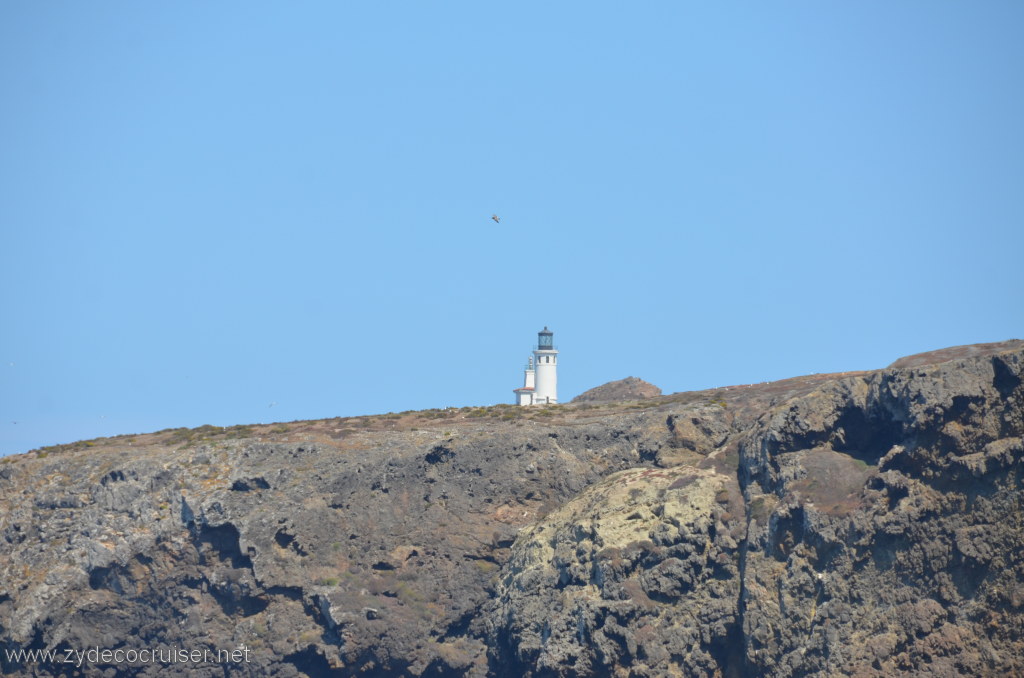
(863, 524)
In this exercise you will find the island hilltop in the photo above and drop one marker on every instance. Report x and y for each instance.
(855, 524)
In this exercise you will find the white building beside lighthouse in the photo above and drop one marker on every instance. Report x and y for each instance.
(540, 381)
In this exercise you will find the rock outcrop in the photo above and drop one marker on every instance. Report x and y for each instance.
(629, 388)
(957, 353)
(889, 527)
(865, 524)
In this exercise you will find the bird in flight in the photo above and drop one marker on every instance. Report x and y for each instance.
(496, 219)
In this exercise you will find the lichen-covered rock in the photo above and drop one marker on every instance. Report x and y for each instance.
(638, 571)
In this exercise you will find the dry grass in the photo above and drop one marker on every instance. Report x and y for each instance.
(344, 433)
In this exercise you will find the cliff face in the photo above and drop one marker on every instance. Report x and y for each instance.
(894, 534)
(861, 524)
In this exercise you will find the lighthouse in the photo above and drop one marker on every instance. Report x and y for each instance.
(540, 381)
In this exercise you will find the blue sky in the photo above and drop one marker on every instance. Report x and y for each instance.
(209, 208)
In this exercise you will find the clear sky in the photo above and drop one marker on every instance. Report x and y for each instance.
(238, 212)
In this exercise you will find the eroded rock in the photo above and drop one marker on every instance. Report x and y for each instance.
(865, 524)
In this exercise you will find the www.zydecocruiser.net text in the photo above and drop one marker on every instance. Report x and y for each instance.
(97, 656)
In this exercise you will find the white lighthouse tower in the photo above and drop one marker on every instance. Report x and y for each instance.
(545, 357)
(540, 382)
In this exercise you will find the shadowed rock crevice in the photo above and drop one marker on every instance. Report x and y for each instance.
(286, 540)
(222, 541)
(238, 599)
(310, 662)
(106, 578)
(250, 484)
(1005, 381)
(866, 434)
(439, 454)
